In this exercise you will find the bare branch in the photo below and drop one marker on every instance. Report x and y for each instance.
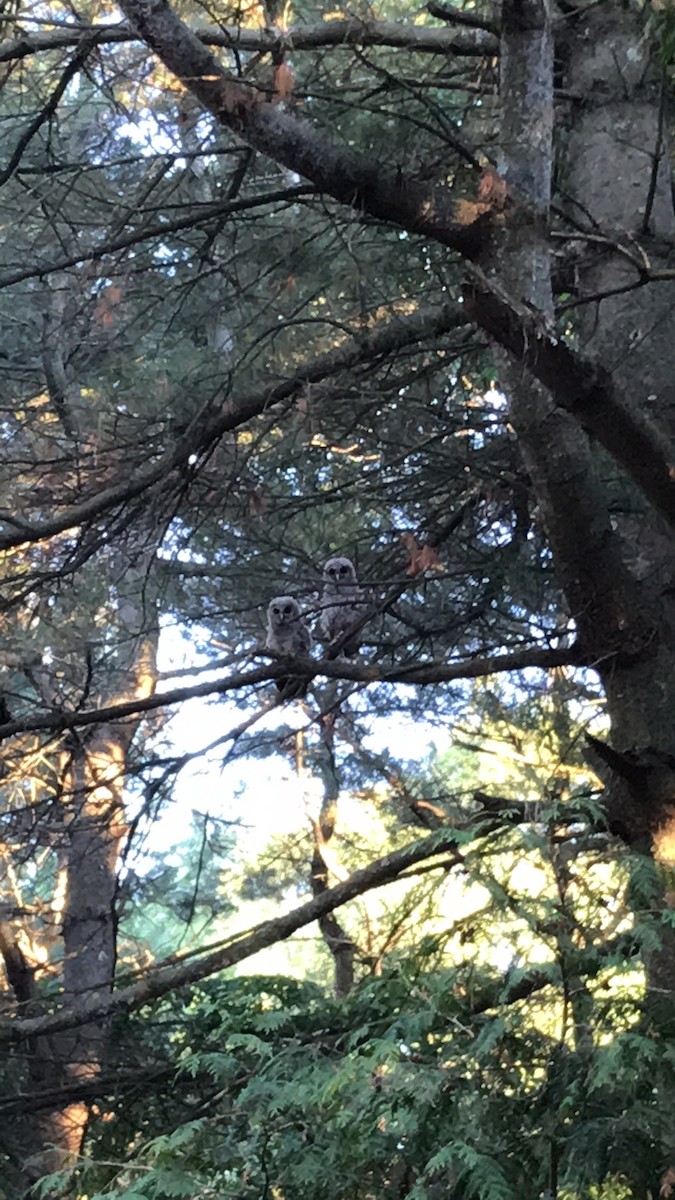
(84, 44)
(425, 39)
(196, 217)
(433, 672)
(582, 387)
(340, 171)
(457, 16)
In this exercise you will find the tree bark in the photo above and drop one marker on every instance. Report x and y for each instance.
(594, 397)
(95, 831)
(617, 573)
(341, 946)
(619, 172)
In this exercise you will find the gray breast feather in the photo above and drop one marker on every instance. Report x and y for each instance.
(290, 640)
(340, 609)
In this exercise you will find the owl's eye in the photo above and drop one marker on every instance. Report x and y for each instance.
(288, 609)
(344, 570)
(332, 571)
(276, 610)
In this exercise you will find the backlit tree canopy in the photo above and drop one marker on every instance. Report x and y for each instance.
(393, 283)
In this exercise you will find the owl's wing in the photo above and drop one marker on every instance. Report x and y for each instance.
(327, 618)
(303, 639)
(292, 687)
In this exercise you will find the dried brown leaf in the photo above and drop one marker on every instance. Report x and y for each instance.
(284, 81)
(421, 558)
(104, 313)
(493, 189)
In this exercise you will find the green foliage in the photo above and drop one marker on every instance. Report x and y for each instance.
(661, 23)
(495, 1043)
(176, 899)
(405, 1084)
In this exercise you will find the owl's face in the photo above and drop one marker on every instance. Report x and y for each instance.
(283, 610)
(339, 572)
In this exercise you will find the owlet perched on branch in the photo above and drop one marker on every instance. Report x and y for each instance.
(288, 635)
(342, 604)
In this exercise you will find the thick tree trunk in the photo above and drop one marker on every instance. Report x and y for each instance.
(93, 831)
(601, 593)
(619, 173)
(617, 567)
(96, 833)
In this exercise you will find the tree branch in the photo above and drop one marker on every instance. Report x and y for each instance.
(448, 12)
(166, 979)
(425, 39)
(84, 43)
(206, 429)
(340, 171)
(585, 390)
(586, 962)
(307, 668)
(582, 387)
(196, 217)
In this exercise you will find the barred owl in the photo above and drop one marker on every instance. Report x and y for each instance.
(342, 604)
(288, 635)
